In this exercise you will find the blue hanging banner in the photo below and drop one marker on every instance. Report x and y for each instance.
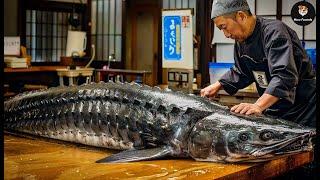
(172, 37)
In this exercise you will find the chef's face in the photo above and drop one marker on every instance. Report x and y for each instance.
(233, 26)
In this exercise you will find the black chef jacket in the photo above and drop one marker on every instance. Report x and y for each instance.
(275, 60)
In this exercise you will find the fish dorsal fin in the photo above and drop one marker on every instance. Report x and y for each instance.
(138, 155)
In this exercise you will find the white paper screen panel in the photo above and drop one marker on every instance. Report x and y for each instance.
(106, 28)
(93, 16)
(266, 7)
(269, 17)
(165, 4)
(178, 4)
(288, 21)
(225, 53)
(287, 6)
(182, 4)
(251, 5)
(310, 44)
(219, 37)
(310, 30)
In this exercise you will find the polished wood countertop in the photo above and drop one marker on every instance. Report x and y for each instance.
(38, 158)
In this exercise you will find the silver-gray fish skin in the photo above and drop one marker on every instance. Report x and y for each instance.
(151, 123)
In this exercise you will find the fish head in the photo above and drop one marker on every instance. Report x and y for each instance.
(223, 137)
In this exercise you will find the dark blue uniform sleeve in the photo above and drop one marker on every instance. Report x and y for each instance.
(282, 67)
(237, 77)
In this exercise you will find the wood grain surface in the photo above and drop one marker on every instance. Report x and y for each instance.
(41, 158)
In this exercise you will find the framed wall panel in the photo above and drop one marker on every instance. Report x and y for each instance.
(269, 17)
(268, 7)
(106, 31)
(46, 34)
(310, 44)
(252, 5)
(287, 6)
(225, 53)
(182, 4)
(310, 30)
(288, 21)
(219, 37)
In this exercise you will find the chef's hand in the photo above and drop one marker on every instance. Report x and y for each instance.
(211, 90)
(247, 109)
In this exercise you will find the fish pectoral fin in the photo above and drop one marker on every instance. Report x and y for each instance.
(137, 155)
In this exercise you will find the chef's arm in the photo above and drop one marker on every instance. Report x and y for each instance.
(265, 101)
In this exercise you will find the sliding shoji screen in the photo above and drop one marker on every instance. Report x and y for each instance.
(182, 4)
(106, 29)
(46, 35)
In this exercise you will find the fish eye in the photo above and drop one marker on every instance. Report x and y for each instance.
(267, 135)
(243, 136)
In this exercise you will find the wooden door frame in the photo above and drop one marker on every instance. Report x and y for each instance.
(156, 16)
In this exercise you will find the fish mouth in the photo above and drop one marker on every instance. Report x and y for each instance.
(297, 144)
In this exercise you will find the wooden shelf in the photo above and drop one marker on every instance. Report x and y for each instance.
(34, 69)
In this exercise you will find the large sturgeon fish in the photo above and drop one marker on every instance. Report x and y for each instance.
(150, 123)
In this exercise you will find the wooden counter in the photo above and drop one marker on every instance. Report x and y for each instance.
(34, 158)
(36, 75)
(39, 75)
(34, 69)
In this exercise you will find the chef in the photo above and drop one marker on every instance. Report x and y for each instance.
(269, 53)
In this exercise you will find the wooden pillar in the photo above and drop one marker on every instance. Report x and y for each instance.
(204, 29)
(279, 10)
